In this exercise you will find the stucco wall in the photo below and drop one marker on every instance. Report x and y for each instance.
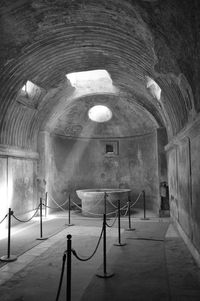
(22, 177)
(195, 175)
(80, 163)
(18, 185)
(184, 179)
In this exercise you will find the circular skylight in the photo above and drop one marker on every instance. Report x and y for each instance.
(100, 113)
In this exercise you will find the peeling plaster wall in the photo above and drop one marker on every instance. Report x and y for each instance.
(184, 179)
(18, 185)
(80, 163)
(22, 178)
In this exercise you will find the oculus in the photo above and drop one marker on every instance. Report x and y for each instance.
(100, 113)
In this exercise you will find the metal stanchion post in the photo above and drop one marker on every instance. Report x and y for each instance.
(144, 204)
(69, 213)
(119, 228)
(104, 273)
(129, 217)
(69, 265)
(41, 232)
(105, 200)
(8, 257)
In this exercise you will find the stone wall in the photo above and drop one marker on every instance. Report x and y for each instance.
(82, 163)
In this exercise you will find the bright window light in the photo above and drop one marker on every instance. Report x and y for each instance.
(95, 81)
(78, 78)
(154, 88)
(100, 113)
(28, 88)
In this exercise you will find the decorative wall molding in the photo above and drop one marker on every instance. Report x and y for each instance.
(10, 151)
(191, 130)
(53, 134)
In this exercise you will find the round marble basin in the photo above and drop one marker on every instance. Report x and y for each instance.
(93, 200)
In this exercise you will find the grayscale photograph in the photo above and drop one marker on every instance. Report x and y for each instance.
(99, 150)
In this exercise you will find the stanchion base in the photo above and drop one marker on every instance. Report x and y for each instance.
(130, 229)
(69, 225)
(42, 238)
(119, 244)
(101, 274)
(145, 218)
(8, 259)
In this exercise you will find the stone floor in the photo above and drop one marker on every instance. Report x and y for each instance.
(154, 264)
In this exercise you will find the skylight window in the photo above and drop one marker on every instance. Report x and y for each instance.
(78, 79)
(100, 113)
(94, 81)
(155, 90)
(30, 95)
(28, 88)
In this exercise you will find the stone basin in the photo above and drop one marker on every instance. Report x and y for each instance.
(93, 200)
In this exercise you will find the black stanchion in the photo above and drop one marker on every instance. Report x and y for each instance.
(69, 267)
(119, 244)
(144, 204)
(69, 213)
(104, 273)
(41, 230)
(129, 217)
(105, 200)
(9, 257)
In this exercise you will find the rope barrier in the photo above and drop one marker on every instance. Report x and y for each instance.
(136, 199)
(111, 212)
(126, 211)
(49, 206)
(122, 208)
(110, 226)
(95, 250)
(112, 204)
(67, 256)
(4, 218)
(60, 206)
(61, 275)
(97, 214)
(28, 220)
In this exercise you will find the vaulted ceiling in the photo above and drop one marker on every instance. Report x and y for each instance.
(43, 40)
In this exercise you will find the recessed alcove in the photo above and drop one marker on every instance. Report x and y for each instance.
(78, 163)
(115, 146)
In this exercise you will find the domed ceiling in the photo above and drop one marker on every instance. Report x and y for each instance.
(143, 45)
(127, 119)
